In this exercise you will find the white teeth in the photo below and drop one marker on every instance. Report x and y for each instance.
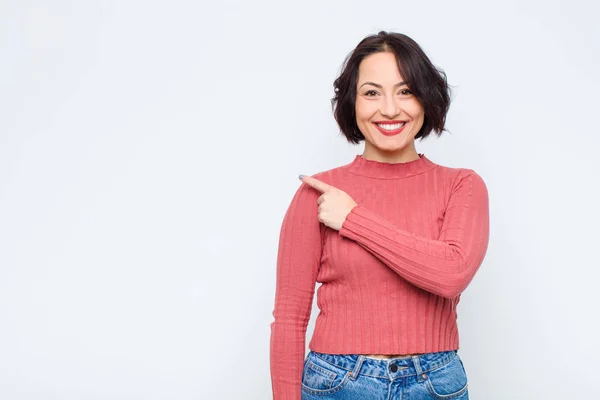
(391, 127)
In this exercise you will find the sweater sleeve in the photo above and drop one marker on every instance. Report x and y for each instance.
(444, 266)
(298, 261)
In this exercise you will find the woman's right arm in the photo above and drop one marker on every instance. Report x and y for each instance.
(298, 260)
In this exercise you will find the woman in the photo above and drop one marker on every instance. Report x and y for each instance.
(392, 237)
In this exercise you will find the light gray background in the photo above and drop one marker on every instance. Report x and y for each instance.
(149, 150)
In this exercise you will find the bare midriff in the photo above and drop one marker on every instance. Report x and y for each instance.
(390, 355)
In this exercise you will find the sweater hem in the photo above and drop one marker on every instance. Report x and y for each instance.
(325, 349)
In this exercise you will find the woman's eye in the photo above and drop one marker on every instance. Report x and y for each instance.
(405, 92)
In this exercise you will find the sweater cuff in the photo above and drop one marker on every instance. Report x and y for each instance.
(359, 218)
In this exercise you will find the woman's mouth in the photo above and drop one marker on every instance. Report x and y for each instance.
(390, 129)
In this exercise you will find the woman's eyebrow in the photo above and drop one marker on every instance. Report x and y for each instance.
(379, 86)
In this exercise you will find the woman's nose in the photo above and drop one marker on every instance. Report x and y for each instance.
(390, 108)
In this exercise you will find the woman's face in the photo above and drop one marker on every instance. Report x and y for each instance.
(383, 102)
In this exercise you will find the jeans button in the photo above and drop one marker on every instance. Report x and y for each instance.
(393, 367)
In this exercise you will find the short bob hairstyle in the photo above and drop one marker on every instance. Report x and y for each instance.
(427, 83)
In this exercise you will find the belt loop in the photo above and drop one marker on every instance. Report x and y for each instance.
(354, 373)
(420, 373)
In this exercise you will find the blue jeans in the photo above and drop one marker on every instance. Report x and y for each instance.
(429, 376)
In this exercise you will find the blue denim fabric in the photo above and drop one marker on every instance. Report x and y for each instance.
(429, 376)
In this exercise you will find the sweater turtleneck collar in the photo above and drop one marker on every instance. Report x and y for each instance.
(383, 170)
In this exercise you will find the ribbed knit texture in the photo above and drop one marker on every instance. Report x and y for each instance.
(391, 277)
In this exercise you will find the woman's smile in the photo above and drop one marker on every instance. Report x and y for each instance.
(390, 129)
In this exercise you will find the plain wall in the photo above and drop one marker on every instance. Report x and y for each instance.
(149, 150)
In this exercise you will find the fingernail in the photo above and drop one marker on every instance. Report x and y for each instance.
(300, 177)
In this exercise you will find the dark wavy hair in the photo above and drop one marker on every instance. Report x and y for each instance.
(428, 84)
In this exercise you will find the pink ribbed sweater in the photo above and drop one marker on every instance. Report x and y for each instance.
(391, 277)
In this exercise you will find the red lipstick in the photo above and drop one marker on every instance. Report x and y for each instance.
(390, 133)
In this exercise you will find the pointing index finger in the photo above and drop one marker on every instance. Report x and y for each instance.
(315, 183)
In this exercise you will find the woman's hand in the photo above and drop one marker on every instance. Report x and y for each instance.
(334, 204)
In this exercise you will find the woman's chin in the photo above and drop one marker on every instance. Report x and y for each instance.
(391, 148)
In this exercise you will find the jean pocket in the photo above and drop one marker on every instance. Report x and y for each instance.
(319, 377)
(448, 381)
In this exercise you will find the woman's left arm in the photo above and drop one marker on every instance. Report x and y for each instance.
(444, 266)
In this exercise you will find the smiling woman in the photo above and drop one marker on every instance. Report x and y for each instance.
(388, 113)
(392, 237)
(388, 79)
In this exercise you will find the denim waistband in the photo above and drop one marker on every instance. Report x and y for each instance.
(388, 367)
